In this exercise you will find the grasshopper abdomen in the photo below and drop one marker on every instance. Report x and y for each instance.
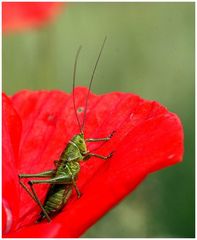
(56, 198)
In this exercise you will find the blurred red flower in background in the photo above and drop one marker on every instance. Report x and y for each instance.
(36, 128)
(25, 15)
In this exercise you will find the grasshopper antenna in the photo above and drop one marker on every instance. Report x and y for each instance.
(74, 77)
(90, 84)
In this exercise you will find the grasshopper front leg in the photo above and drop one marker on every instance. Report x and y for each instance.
(88, 154)
(100, 139)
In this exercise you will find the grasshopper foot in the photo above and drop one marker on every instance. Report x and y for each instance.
(112, 134)
(110, 155)
(30, 183)
(79, 195)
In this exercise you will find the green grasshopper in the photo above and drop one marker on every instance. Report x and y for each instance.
(62, 178)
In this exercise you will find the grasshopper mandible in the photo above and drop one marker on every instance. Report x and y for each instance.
(62, 178)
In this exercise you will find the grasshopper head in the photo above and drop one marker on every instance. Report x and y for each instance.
(80, 142)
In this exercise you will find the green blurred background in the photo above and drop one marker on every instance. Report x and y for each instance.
(150, 52)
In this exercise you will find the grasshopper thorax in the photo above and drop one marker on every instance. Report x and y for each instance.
(79, 141)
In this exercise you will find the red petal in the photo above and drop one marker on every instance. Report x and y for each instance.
(41, 140)
(23, 15)
(147, 138)
(11, 130)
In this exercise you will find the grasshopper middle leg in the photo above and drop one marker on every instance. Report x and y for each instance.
(99, 156)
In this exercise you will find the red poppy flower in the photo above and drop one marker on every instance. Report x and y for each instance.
(23, 15)
(38, 125)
